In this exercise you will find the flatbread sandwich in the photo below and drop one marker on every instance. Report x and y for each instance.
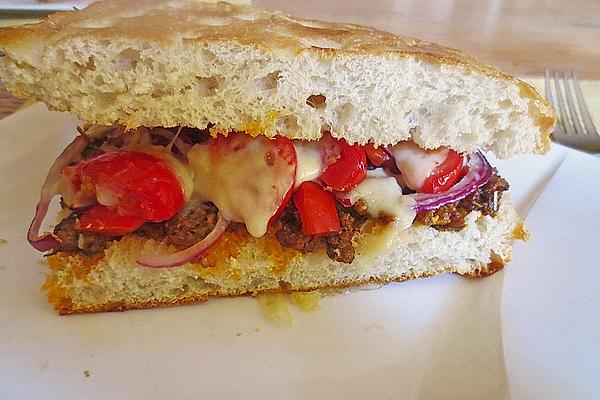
(231, 150)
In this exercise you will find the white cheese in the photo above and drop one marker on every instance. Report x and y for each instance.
(384, 197)
(244, 181)
(310, 161)
(415, 163)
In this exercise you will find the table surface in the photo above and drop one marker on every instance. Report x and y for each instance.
(521, 36)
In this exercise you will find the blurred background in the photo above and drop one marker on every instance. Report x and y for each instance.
(520, 36)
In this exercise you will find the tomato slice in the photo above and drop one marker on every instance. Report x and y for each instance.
(446, 174)
(317, 210)
(133, 184)
(101, 219)
(377, 155)
(349, 170)
(284, 203)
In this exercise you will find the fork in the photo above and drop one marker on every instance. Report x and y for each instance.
(575, 127)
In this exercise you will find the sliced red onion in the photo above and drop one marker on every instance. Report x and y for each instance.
(479, 173)
(71, 153)
(344, 200)
(190, 254)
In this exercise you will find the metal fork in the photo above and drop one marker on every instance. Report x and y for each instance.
(575, 127)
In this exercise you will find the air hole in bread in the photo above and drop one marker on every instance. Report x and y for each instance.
(99, 81)
(157, 94)
(269, 82)
(128, 59)
(106, 99)
(90, 65)
(208, 86)
(287, 123)
(316, 101)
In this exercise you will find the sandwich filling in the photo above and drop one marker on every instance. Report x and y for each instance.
(187, 187)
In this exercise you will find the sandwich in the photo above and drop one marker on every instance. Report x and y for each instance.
(232, 150)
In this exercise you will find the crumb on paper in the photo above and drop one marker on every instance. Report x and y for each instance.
(257, 329)
(238, 334)
(42, 261)
(3, 241)
(86, 373)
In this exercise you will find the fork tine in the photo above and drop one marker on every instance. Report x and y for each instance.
(563, 118)
(568, 77)
(558, 129)
(585, 113)
(548, 87)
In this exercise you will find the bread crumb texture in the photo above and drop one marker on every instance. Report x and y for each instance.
(189, 63)
(240, 264)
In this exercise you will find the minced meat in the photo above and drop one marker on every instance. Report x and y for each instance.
(72, 240)
(451, 217)
(191, 225)
(338, 245)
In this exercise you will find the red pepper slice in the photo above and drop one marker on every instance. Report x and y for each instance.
(377, 155)
(445, 174)
(349, 170)
(317, 210)
(101, 219)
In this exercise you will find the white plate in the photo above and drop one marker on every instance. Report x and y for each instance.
(440, 338)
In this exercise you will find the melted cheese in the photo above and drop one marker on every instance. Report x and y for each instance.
(275, 308)
(384, 197)
(310, 161)
(241, 182)
(415, 163)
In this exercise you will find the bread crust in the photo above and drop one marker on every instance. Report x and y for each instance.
(184, 24)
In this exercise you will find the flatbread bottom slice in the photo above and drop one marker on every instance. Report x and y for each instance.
(242, 265)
